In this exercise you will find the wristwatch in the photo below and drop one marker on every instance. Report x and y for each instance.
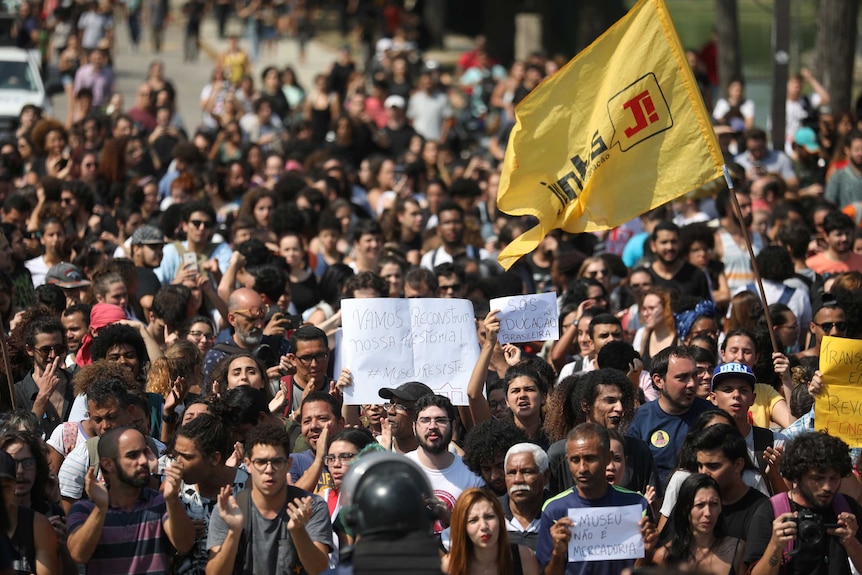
(172, 418)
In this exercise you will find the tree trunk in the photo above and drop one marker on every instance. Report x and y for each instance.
(727, 30)
(836, 48)
(595, 17)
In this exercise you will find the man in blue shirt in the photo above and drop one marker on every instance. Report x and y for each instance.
(664, 422)
(588, 452)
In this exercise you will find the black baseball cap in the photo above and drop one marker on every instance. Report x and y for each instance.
(410, 391)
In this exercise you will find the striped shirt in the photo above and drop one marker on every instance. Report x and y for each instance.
(132, 541)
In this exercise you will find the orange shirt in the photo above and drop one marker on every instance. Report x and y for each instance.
(823, 265)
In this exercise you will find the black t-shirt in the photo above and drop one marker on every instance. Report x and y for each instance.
(305, 293)
(737, 516)
(689, 280)
(399, 140)
(828, 558)
(148, 282)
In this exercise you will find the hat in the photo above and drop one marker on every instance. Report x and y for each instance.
(806, 138)
(394, 101)
(66, 276)
(7, 466)
(147, 235)
(410, 391)
(733, 370)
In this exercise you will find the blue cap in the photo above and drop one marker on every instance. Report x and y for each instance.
(733, 370)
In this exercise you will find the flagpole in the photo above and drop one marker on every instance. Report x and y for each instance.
(745, 235)
(4, 353)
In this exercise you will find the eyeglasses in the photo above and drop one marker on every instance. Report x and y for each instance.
(66, 201)
(342, 458)
(26, 463)
(200, 334)
(828, 325)
(252, 312)
(45, 351)
(277, 463)
(453, 287)
(206, 224)
(397, 407)
(597, 273)
(428, 421)
(640, 286)
(320, 357)
(501, 404)
(89, 165)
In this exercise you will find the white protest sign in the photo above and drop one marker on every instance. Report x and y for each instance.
(532, 317)
(606, 533)
(387, 341)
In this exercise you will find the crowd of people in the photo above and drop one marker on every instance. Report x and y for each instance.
(172, 291)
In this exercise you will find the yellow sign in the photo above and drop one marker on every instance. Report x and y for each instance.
(619, 130)
(838, 409)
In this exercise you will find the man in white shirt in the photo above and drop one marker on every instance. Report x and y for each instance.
(448, 474)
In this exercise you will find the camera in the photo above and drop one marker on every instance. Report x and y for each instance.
(811, 527)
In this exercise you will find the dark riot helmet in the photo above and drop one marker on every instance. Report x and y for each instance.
(386, 492)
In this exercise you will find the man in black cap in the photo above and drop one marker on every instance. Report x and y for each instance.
(71, 279)
(401, 413)
(146, 244)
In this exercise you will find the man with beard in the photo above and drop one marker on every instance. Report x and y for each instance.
(730, 245)
(46, 390)
(435, 418)
(400, 411)
(670, 268)
(76, 322)
(845, 186)
(526, 467)
(125, 527)
(814, 463)
(664, 422)
(245, 314)
(839, 256)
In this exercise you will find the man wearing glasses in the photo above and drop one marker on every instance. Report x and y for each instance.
(399, 412)
(46, 390)
(199, 220)
(288, 532)
(246, 313)
(449, 476)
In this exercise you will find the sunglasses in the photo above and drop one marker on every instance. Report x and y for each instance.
(207, 224)
(828, 325)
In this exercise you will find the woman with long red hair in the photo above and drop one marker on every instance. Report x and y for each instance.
(480, 543)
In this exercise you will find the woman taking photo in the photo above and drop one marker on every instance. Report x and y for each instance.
(480, 543)
(695, 538)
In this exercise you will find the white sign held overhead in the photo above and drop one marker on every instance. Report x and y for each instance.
(387, 341)
(532, 317)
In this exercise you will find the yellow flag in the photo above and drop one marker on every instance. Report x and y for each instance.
(617, 131)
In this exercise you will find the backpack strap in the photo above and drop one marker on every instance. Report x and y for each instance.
(781, 504)
(243, 501)
(786, 294)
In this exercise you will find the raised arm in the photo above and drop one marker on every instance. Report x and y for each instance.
(479, 408)
(178, 527)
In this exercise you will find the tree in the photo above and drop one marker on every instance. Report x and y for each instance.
(727, 31)
(835, 49)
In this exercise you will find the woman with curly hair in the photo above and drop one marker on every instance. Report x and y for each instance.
(176, 376)
(77, 430)
(480, 542)
(49, 142)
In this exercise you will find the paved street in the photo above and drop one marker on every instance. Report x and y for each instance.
(189, 78)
